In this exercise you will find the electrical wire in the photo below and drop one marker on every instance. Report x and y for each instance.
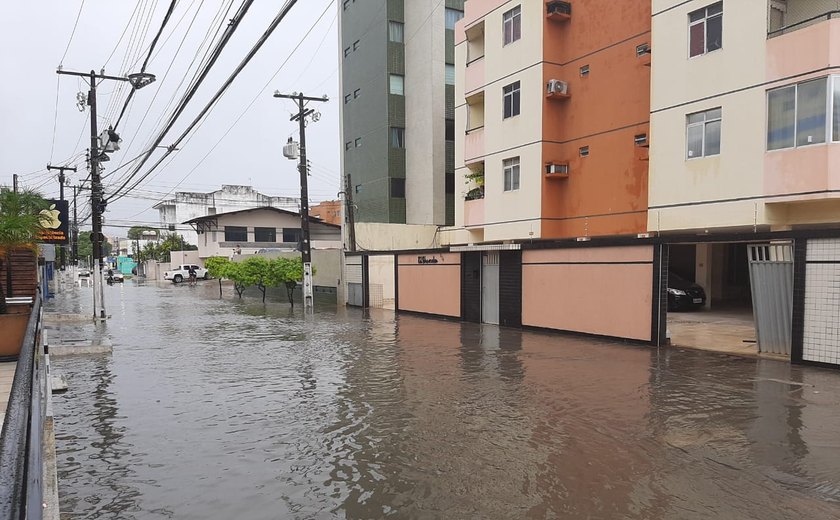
(148, 57)
(73, 33)
(125, 30)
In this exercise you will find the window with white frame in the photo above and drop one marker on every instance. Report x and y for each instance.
(705, 29)
(511, 168)
(512, 25)
(396, 32)
(798, 115)
(510, 100)
(702, 133)
(397, 84)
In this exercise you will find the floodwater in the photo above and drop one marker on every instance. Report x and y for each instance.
(228, 409)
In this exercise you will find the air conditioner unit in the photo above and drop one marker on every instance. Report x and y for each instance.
(557, 87)
(557, 169)
(559, 8)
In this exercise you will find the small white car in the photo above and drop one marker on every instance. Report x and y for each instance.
(182, 272)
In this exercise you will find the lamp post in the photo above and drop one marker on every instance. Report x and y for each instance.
(97, 202)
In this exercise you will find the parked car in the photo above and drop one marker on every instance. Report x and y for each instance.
(182, 272)
(683, 294)
(84, 273)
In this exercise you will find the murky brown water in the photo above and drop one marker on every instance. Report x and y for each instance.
(213, 409)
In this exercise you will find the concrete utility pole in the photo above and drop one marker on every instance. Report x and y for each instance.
(97, 201)
(74, 232)
(305, 249)
(351, 220)
(14, 182)
(61, 170)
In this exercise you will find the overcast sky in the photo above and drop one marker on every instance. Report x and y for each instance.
(33, 40)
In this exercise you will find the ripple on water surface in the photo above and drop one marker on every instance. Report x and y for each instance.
(235, 409)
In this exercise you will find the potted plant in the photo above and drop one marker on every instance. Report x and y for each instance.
(20, 222)
(476, 178)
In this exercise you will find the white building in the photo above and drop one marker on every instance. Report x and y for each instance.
(190, 205)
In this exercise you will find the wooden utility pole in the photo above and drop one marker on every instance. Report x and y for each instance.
(305, 249)
(61, 170)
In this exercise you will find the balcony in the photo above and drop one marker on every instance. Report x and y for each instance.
(474, 75)
(474, 145)
(474, 213)
(804, 173)
(787, 16)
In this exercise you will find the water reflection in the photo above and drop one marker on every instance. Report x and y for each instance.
(261, 413)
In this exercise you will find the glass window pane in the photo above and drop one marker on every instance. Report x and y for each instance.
(714, 8)
(714, 33)
(837, 108)
(697, 39)
(449, 74)
(508, 31)
(452, 17)
(810, 112)
(696, 15)
(396, 32)
(712, 138)
(781, 118)
(514, 183)
(694, 141)
(713, 114)
(397, 86)
(699, 117)
(507, 179)
(517, 27)
(515, 103)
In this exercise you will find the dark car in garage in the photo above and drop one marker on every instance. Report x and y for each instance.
(684, 295)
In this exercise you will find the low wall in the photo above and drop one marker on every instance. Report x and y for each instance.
(430, 283)
(605, 291)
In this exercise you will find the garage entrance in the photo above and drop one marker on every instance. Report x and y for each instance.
(712, 295)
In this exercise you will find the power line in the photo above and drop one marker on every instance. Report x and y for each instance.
(73, 33)
(125, 30)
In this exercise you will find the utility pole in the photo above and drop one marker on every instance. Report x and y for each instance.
(97, 203)
(61, 170)
(14, 182)
(351, 220)
(306, 251)
(74, 232)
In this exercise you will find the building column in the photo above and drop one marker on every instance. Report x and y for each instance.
(703, 270)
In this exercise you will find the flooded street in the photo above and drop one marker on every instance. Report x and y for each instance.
(222, 409)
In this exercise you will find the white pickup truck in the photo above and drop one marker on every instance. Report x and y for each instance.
(182, 272)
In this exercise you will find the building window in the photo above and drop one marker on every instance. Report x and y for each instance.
(348, 145)
(346, 99)
(347, 52)
(583, 151)
(291, 235)
(358, 142)
(449, 182)
(797, 115)
(584, 71)
(642, 49)
(511, 100)
(397, 137)
(836, 111)
(512, 25)
(705, 30)
(396, 32)
(236, 234)
(450, 130)
(449, 74)
(265, 234)
(703, 133)
(346, 4)
(398, 188)
(397, 84)
(511, 167)
(452, 17)
(357, 93)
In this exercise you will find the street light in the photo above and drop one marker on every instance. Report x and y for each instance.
(137, 81)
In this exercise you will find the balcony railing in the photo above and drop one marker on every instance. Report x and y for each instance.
(803, 23)
(21, 492)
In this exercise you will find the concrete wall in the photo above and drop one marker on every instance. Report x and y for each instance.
(432, 288)
(605, 291)
(372, 236)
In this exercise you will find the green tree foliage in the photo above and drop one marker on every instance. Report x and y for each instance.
(288, 272)
(218, 267)
(136, 232)
(85, 246)
(161, 251)
(20, 222)
(259, 272)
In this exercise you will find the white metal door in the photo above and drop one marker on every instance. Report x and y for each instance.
(490, 288)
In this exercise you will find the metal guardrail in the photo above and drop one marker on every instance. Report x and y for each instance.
(799, 25)
(21, 490)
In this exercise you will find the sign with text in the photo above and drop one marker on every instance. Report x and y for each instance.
(55, 221)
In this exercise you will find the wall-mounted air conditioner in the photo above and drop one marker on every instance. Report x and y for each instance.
(557, 169)
(555, 87)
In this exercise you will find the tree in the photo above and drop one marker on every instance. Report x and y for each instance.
(172, 242)
(256, 271)
(288, 272)
(218, 267)
(20, 222)
(84, 246)
(136, 232)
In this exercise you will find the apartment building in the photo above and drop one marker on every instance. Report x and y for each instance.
(551, 119)
(397, 83)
